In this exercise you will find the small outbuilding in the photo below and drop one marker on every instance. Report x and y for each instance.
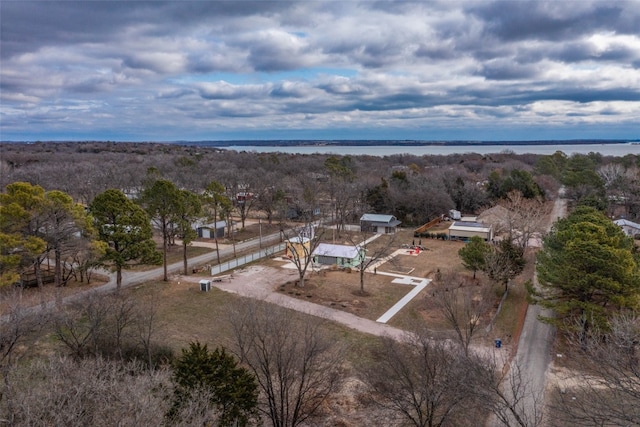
(379, 224)
(340, 255)
(205, 285)
(212, 230)
(297, 247)
(461, 230)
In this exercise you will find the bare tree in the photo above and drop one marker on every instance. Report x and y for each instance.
(295, 363)
(122, 317)
(108, 325)
(147, 325)
(462, 306)
(244, 189)
(504, 390)
(605, 388)
(217, 205)
(374, 252)
(86, 257)
(302, 241)
(341, 188)
(422, 381)
(80, 326)
(525, 218)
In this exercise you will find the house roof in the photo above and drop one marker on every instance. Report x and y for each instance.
(469, 226)
(298, 239)
(626, 223)
(216, 225)
(495, 216)
(339, 251)
(388, 220)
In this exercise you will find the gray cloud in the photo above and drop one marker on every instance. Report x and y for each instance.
(195, 69)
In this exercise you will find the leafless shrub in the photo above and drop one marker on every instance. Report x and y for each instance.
(17, 323)
(65, 392)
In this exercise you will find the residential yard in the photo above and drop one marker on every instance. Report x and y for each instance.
(340, 289)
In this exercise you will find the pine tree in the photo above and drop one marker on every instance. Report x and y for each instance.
(126, 228)
(586, 269)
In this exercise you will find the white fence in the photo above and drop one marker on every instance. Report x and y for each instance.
(246, 259)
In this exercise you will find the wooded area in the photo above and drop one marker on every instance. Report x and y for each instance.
(84, 205)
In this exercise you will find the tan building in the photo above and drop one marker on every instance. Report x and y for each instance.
(298, 247)
(461, 230)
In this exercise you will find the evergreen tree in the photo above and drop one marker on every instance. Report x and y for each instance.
(126, 228)
(587, 269)
(20, 244)
(473, 254)
(231, 388)
(504, 262)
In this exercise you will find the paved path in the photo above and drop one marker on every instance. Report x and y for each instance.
(260, 282)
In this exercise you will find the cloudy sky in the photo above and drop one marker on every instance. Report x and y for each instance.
(202, 70)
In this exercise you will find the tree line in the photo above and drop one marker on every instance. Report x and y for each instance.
(409, 187)
(588, 273)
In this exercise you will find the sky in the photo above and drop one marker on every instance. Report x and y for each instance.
(261, 70)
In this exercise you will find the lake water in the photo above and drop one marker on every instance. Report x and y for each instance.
(387, 150)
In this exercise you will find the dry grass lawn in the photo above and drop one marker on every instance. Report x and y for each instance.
(341, 289)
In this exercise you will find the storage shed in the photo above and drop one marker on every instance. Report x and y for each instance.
(340, 255)
(380, 224)
(212, 230)
(461, 230)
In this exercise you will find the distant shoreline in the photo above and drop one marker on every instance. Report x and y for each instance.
(395, 143)
(348, 143)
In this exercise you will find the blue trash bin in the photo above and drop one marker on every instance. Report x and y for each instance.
(498, 343)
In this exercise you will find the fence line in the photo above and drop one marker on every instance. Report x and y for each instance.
(246, 259)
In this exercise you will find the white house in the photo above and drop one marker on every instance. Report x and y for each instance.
(340, 255)
(630, 228)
